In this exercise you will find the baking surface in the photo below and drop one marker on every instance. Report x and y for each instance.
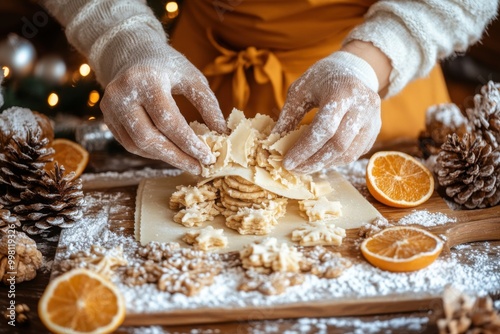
(116, 192)
(154, 219)
(361, 290)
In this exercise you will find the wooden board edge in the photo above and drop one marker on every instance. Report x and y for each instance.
(320, 309)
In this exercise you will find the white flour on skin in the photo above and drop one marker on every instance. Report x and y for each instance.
(466, 267)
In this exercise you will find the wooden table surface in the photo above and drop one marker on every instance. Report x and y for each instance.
(30, 292)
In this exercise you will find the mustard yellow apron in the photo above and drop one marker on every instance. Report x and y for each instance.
(252, 50)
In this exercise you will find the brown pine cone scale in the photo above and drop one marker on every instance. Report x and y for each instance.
(468, 170)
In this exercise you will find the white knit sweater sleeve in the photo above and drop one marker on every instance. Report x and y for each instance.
(415, 34)
(112, 34)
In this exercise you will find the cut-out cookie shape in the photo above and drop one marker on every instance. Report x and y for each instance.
(269, 256)
(206, 239)
(320, 209)
(319, 233)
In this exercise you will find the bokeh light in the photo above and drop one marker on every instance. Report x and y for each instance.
(172, 9)
(6, 71)
(84, 70)
(53, 99)
(94, 97)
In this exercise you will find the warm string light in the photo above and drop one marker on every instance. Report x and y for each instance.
(6, 71)
(172, 9)
(84, 70)
(94, 97)
(53, 99)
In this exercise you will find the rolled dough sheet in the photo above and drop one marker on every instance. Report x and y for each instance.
(154, 218)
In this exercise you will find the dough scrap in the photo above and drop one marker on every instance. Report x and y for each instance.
(268, 256)
(221, 148)
(252, 221)
(206, 239)
(187, 196)
(324, 263)
(319, 233)
(247, 184)
(196, 214)
(273, 284)
(252, 146)
(320, 209)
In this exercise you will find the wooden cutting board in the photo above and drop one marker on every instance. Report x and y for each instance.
(476, 225)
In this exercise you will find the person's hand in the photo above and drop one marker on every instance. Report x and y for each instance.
(344, 88)
(139, 110)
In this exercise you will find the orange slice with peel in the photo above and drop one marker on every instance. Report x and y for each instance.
(402, 248)
(399, 180)
(81, 301)
(69, 154)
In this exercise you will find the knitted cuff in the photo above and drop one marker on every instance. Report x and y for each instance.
(113, 34)
(415, 34)
(387, 34)
(356, 66)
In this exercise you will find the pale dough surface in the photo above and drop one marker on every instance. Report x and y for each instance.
(154, 218)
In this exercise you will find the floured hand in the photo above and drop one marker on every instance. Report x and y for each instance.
(344, 88)
(141, 113)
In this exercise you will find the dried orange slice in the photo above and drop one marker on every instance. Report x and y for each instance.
(402, 248)
(81, 301)
(398, 179)
(69, 154)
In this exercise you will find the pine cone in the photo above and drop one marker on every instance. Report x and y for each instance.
(25, 138)
(18, 121)
(22, 160)
(440, 121)
(8, 221)
(469, 171)
(20, 259)
(54, 200)
(485, 116)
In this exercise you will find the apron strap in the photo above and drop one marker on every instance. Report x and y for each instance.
(266, 68)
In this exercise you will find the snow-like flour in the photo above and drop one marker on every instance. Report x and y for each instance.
(467, 268)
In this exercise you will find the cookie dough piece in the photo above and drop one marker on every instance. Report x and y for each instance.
(246, 194)
(323, 262)
(186, 196)
(273, 284)
(320, 209)
(252, 221)
(239, 183)
(206, 239)
(268, 256)
(319, 233)
(196, 214)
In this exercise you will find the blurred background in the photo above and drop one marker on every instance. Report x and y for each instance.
(44, 73)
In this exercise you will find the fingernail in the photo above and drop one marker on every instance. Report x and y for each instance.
(289, 164)
(302, 170)
(208, 159)
(195, 170)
